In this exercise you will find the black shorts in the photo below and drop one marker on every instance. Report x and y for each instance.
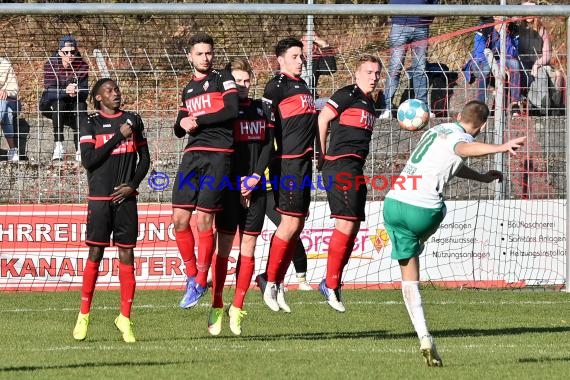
(346, 201)
(201, 181)
(105, 217)
(250, 220)
(292, 193)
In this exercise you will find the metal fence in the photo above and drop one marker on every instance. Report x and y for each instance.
(152, 69)
(143, 47)
(146, 54)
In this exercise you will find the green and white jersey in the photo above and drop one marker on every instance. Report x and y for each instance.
(433, 163)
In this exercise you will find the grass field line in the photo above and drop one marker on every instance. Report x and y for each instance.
(142, 346)
(349, 303)
(222, 348)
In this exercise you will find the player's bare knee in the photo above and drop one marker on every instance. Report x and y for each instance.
(290, 227)
(225, 242)
(126, 256)
(96, 253)
(347, 227)
(248, 245)
(204, 221)
(181, 219)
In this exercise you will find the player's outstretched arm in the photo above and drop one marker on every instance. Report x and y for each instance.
(513, 145)
(477, 149)
(468, 173)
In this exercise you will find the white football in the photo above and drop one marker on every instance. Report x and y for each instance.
(413, 115)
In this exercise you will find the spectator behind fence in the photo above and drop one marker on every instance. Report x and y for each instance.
(323, 61)
(485, 60)
(407, 32)
(65, 93)
(540, 81)
(8, 99)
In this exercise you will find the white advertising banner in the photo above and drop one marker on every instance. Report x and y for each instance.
(480, 243)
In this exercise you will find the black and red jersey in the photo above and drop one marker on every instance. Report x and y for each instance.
(288, 103)
(213, 99)
(253, 137)
(109, 158)
(351, 129)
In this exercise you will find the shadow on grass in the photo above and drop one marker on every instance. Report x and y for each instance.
(27, 368)
(500, 331)
(371, 334)
(544, 360)
(382, 334)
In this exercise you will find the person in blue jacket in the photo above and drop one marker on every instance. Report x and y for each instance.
(485, 60)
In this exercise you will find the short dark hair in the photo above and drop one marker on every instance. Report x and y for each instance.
(67, 40)
(475, 113)
(95, 90)
(285, 44)
(201, 38)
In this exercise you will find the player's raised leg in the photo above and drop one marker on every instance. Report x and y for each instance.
(299, 255)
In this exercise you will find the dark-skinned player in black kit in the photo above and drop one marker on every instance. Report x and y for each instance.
(115, 153)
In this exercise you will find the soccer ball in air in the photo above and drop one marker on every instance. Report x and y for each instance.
(413, 115)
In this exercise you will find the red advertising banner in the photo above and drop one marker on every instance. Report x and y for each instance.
(43, 248)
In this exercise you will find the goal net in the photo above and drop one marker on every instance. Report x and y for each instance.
(508, 235)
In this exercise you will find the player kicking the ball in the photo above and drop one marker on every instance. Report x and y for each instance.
(351, 115)
(115, 153)
(412, 216)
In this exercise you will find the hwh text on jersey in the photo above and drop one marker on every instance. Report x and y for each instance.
(367, 120)
(250, 130)
(307, 101)
(199, 105)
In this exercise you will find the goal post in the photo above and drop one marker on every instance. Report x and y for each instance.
(515, 236)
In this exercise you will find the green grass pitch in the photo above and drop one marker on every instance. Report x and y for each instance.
(480, 335)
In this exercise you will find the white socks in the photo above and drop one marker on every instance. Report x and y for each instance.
(413, 301)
